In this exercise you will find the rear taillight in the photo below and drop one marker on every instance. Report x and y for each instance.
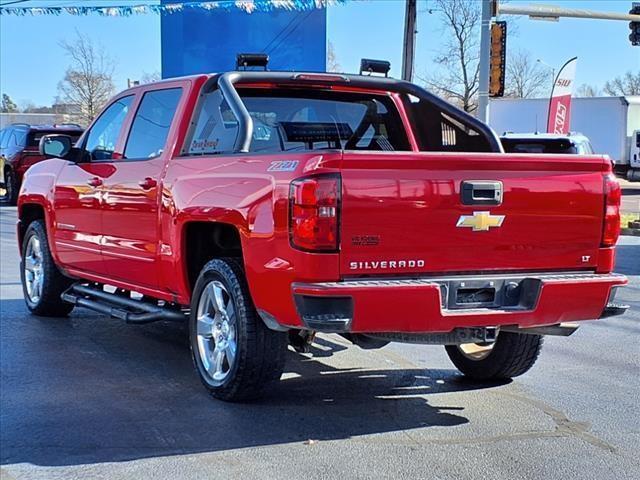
(314, 213)
(611, 227)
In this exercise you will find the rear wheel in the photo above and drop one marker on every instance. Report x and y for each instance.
(234, 353)
(42, 281)
(512, 354)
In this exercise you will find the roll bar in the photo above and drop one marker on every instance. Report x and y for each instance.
(245, 122)
(226, 82)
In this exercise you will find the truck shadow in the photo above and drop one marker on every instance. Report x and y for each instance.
(87, 390)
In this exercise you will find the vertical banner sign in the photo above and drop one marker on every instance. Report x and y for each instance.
(559, 118)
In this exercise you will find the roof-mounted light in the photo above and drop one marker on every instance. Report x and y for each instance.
(244, 61)
(370, 66)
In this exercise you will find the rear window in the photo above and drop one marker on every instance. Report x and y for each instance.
(34, 137)
(299, 120)
(540, 146)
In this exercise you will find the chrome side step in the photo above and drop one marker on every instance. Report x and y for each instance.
(119, 306)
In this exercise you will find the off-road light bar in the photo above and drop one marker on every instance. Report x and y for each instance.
(375, 66)
(246, 60)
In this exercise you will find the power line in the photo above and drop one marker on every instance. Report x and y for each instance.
(280, 32)
(275, 47)
(13, 2)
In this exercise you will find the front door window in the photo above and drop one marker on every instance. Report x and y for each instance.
(103, 136)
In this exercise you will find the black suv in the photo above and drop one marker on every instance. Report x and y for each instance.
(19, 150)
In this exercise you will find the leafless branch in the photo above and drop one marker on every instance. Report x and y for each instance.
(628, 84)
(457, 79)
(525, 78)
(88, 81)
(332, 60)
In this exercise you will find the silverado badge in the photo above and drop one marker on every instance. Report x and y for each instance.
(480, 221)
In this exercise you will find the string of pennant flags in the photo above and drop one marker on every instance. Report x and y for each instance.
(249, 6)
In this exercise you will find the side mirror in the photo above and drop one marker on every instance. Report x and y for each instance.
(55, 145)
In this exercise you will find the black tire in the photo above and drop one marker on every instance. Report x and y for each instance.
(11, 186)
(260, 352)
(512, 355)
(48, 303)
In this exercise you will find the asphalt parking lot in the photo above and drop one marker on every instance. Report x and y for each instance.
(88, 397)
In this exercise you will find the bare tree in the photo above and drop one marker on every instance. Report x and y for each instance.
(150, 77)
(586, 90)
(629, 84)
(332, 60)
(457, 79)
(525, 78)
(88, 81)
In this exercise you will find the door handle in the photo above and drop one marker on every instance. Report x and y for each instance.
(95, 182)
(481, 192)
(148, 183)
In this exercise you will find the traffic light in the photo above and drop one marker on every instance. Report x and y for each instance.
(498, 59)
(634, 36)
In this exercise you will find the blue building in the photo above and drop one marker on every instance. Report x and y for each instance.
(204, 41)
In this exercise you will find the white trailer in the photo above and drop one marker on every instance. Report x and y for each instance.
(612, 124)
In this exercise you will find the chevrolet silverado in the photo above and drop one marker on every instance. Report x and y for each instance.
(263, 207)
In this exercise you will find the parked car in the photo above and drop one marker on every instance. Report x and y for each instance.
(262, 207)
(19, 150)
(571, 144)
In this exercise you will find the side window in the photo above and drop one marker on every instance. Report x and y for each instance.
(18, 137)
(216, 127)
(4, 136)
(151, 124)
(103, 136)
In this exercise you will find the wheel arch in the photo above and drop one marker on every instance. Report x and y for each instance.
(28, 213)
(203, 241)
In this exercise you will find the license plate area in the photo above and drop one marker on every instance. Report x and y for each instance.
(476, 296)
(511, 293)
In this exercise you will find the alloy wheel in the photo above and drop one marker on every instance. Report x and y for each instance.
(34, 269)
(216, 331)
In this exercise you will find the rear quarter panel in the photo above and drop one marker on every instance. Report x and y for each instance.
(239, 190)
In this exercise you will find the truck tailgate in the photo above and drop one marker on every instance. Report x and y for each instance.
(406, 213)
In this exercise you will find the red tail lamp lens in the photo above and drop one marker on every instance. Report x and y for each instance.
(315, 203)
(611, 227)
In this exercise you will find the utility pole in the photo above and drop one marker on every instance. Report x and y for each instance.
(409, 46)
(485, 59)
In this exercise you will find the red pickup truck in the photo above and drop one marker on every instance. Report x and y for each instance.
(263, 207)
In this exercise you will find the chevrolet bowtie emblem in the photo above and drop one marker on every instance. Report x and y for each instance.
(480, 221)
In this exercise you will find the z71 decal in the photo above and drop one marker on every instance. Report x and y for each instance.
(283, 166)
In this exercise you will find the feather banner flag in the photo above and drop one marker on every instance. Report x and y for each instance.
(559, 116)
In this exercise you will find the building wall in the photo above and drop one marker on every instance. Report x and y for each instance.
(198, 41)
(35, 118)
